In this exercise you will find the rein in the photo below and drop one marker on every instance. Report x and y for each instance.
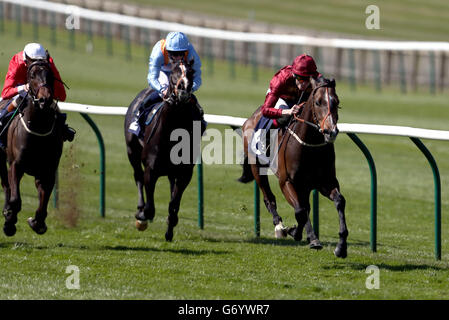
(34, 132)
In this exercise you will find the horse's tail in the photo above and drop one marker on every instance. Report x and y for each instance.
(247, 174)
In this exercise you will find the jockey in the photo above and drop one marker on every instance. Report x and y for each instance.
(16, 80)
(287, 87)
(174, 47)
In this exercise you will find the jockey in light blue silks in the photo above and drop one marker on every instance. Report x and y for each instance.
(174, 47)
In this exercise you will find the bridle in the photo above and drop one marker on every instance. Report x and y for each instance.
(32, 91)
(33, 94)
(316, 124)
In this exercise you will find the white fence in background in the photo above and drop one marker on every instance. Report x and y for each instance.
(410, 63)
(238, 122)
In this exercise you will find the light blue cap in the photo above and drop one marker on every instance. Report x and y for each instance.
(177, 41)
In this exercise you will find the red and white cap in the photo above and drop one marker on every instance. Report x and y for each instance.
(34, 51)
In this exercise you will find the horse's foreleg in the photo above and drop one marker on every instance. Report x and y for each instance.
(44, 188)
(178, 185)
(301, 205)
(14, 205)
(340, 203)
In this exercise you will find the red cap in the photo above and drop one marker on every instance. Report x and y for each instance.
(304, 66)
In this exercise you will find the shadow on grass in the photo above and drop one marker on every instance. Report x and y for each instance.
(181, 251)
(16, 245)
(397, 267)
(284, 242)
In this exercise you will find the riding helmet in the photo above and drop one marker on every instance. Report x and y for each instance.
(177, 41)
(305, 66)
(35, 51)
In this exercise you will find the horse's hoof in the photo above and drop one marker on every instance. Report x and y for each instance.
(169, 236)
(315, 244)
(38, 228)
(141, 225)
(9, 229)
(10, 217)
(280, 231)
(341, 252)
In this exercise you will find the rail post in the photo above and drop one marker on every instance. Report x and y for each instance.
(369, 158)
(437, 186)
(102, 162)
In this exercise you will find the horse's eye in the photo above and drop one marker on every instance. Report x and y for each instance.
(317, 103)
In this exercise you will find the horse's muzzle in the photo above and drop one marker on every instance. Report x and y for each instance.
(330, 136)
(183, 95)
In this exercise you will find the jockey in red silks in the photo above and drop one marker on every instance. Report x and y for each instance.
(287, 86)
(16, 80)
(288, 91)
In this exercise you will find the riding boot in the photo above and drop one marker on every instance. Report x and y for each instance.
(3, 122)
(68, 133)
(150, 100)
(201, 114)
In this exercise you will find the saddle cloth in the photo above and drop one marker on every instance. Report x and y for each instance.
(144, 119)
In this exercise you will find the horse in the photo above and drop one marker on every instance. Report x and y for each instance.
(306, 161)
(34, 147)
(151, 157)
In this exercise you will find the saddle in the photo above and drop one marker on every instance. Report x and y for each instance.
(144, 118)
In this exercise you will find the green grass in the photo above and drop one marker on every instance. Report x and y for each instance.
(225, 260)
(402, 20)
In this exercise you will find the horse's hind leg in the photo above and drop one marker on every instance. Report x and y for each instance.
(44, 188)
(149, 210)
(178, 185)
(14, 205)
(270, 201)
(134, 152)
(4, 178)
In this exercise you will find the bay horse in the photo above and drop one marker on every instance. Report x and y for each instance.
(306, 161)
(152, 157)
(34, 147)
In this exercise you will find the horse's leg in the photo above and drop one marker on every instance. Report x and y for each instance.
(300, 203)
(44, 188)
(341, 251)
(178, 185)
(148, 212)
(134, 153)
(270, 201)
(4, 178)
(14, 205)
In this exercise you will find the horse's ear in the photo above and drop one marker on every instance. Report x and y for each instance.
(332, 83)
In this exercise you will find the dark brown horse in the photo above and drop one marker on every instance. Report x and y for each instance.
(175, 115)
(34, 147)
(306, 161)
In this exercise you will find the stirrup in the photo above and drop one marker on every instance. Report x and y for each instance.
(69, 134)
